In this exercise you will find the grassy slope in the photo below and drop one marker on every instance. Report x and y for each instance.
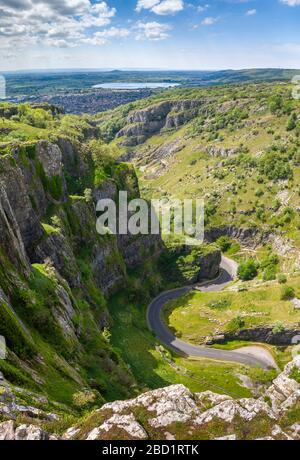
(200, 314)
(238, 191)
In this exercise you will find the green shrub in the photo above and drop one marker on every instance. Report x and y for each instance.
(291, 124)
(55, 186)
(236, 324)
(15, 334)
(247, 270)
(278, 328)
(287, 293)
(220, 304)
(282, 279)
(275, 166)
(87, 399)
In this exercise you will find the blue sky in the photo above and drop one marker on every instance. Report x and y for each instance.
(165, 34)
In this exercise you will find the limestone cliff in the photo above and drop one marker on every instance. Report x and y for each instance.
(151, 120)
(56, 271)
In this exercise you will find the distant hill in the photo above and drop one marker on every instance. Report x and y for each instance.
(44, 83)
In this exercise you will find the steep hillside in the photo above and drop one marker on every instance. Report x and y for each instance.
(235, 146)
(238, 148)
(58, 277)
(56, 271)
(73, 303)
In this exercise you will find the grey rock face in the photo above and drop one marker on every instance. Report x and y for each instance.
(251, 237)
(264, 334)
(10, 236)
(7, 431)
(151, 120)
(51, 158)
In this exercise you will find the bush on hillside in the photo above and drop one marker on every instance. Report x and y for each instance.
(282, 279)
(247, 270)
(287, 293)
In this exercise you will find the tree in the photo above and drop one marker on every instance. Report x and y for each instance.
(291, 124)
(247, 270)
(275, 103)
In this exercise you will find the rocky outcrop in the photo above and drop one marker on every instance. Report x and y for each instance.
(249, 236)
(157, 159)
(176, 413)
(10, 432)
(284, 393)
(215, 151)
(37, 178)
(263, 334)
(10, 236)
(209, 265)
(151, 120)
(11, 407)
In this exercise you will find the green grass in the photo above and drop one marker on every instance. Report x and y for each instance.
(197, 314)
(17, 131)
(49, 229)
(155, 367)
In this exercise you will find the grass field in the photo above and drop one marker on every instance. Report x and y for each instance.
(198, 315)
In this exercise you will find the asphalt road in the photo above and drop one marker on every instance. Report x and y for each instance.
(164, 335)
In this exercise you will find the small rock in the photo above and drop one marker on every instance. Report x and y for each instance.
(127, 423)
(31, 433)
(169, 436)
(279, 434)
(7, 431)
(231, 437)
(296, 303)
(71, 433)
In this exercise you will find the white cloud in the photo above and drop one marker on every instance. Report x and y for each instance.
(290, 2)
(251, 12)
(58, 23)
(209, 21)
(153, 31)
(202, 8)
(101, 38)
(160, 7)
(146, 4)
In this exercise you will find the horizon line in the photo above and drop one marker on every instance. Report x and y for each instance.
(141, 69)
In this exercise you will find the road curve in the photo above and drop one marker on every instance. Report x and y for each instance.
(156, 324)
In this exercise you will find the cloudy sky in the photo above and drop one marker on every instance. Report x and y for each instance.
(165, 34)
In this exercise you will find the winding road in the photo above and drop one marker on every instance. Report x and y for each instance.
(252, 355)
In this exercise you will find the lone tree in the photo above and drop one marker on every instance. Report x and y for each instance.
(247, 270)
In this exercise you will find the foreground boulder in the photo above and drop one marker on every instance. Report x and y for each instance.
(10, 432)
(177, 413)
